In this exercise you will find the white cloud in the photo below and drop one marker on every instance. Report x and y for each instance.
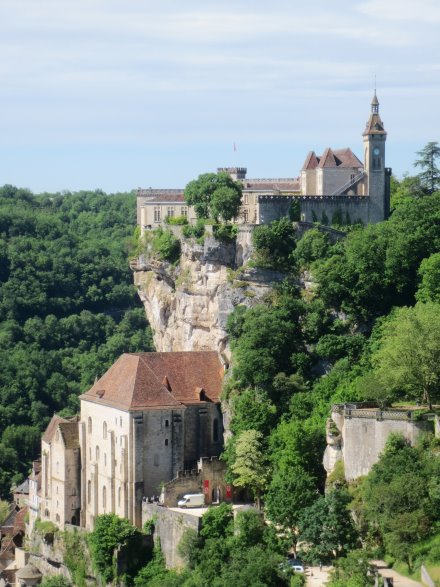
(425, 11)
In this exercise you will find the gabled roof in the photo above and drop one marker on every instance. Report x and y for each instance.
(68, 430)
(49, 433)
(311, 161)
(328, 159)
(347, 158)
(340, 158)
(139, 381)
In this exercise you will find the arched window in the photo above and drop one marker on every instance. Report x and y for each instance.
(89, 491)
(104, 430)
(89, 425)
(104, 497)
(215, 430)
(97, 453)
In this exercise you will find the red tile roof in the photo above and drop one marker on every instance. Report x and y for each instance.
(332, 158)
(311, 161)
(139, 381)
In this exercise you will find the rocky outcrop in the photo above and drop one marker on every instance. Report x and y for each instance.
(188, 305)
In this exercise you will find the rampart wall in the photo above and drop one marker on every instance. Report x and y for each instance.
(357, 434)
(170, 525)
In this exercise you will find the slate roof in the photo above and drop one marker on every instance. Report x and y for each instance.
(68, 429)
(161, 196)
(140, 381)
(374, 123)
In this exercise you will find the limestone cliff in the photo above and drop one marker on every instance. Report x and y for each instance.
(188, 305)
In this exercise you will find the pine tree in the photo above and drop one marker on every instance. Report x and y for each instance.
(430, 174)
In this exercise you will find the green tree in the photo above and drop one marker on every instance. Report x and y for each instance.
(291, 490)
(313, 245)
(352, 571)
(110, 533)
(214, 195)
(429, 288)
(430, 175)
(250, 468)
(274, 244)
(396, 497)
(407, 360)
(326, 527)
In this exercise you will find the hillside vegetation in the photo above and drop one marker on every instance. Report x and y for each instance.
(68, 309)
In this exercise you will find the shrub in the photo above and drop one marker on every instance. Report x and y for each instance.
(194, 230)
(166, 245)
(225, 232)
(176, 220)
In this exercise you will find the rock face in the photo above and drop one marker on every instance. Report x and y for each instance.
(188, 306)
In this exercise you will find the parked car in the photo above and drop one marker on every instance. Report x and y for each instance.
(192, 500)
(296, 565)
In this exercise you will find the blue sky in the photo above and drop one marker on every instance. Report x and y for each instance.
(116, 94)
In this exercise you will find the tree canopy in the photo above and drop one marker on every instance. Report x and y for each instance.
(214, 195)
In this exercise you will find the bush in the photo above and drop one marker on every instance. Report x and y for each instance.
(166, 245)
(225, 232)
(194, 230)
(313, 245)
(274, 244)
(176, 220)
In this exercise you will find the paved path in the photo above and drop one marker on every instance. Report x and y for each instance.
(399, 580)
(316, 577)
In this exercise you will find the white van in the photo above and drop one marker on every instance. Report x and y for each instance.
(192, 500)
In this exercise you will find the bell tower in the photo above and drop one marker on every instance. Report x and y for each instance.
(378, 176)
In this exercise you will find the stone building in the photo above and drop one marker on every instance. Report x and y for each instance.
(333, 188)
(60, 470)
(149, 417)
(154, 206)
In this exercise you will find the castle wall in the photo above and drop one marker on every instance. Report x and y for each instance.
(272, 208)
(170, 526)
(350, 208)
(357, 434)
(364, 439)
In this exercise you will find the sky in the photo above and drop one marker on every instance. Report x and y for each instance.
(120, 94)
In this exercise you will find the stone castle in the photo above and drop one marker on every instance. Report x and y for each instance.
(335, 188)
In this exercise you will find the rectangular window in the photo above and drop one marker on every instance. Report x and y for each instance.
(156, 213)
(246, 215)
(170, 211)
(184, 211)
(246, 199)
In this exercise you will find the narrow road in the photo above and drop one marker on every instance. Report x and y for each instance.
(316, 577)
(399, 580)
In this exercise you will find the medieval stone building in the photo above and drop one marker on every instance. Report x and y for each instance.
(335, 188)
(149, 417)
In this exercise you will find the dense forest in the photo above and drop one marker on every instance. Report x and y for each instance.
(68, 309)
